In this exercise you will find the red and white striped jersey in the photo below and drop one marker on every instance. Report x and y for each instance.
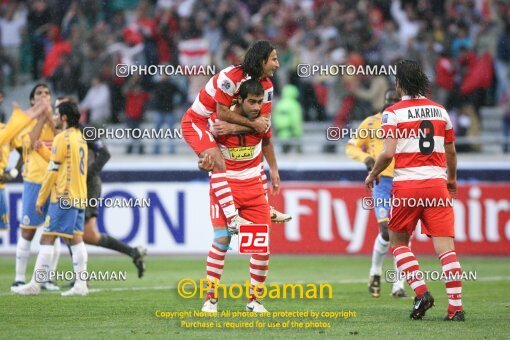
(223, 88)
(242, 154)
(422, 128)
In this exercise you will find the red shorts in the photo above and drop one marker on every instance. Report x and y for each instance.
(435, 220)
(196, 132)
(249, 199)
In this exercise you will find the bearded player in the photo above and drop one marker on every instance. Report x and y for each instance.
(260, 63)
(425, 169)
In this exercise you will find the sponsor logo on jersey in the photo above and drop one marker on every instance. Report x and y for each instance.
(241, 153)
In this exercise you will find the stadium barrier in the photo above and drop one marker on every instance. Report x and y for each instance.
(329, 217)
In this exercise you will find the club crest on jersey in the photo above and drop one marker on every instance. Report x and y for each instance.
(225, 85)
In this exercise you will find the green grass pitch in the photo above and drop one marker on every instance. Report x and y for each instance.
(128, 309)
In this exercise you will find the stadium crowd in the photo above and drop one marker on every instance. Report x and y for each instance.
(75, 45)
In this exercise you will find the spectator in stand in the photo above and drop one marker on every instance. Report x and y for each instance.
(167, 98)
(97, 103)
(288, 119)
(11, 25)
(445, 79)
(136, 98)
(503, 64)
(38, 17)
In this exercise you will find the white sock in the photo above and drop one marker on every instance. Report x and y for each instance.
(42, 264)
(397, 284)
(56, 255)
(380, 249)
(22, 256)
(80, 258)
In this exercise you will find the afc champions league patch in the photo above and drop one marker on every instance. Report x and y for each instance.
(383, 212)
(385, 118)
(269, 96)
(225, 85)
(25, 220)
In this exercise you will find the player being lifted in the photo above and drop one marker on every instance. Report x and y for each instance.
(425, 168)
(243, 154)
(66, 180)
(260, 63)
(35, 166)
(366, 150)
(97, 158)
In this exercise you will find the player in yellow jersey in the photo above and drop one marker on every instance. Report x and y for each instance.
(366, 150)
(41, 131)
(5, 151)
(66, 180)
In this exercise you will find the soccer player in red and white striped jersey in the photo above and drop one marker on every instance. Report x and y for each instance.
(217, 96)
(419, 135)
(243, 155)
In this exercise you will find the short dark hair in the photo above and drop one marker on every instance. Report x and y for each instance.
(70, 110)
(251, 86)
(32, 93)
(258, 52)
(411, 78)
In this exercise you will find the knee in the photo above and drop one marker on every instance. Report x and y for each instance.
(222, 239)
(383, 228)
(27, 234)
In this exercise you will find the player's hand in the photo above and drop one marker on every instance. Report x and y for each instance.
(452, 188)
(206, 163)
(261, 124)
(36, 110)
(369, 163)
(38, 208)
(275, 181)
(369, 181)
(37, 145)
(223, 128)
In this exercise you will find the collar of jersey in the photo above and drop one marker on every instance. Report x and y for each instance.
(411, 97)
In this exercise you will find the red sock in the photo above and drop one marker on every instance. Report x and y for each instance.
(453, 274)
(259, 266)
(221, 189)
(407, 263)
(214, 266)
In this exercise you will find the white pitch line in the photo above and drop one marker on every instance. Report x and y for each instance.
(125, 289)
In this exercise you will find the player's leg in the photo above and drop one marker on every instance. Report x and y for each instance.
(438, 222)
(197, 136)
(258, 211)
(92, 236)
(41, 269)
(216, 256)
(76, 219)
(403, 220)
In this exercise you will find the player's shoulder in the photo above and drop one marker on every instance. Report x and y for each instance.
(233, 72)
(266, 83)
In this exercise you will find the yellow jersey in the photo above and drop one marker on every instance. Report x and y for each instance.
(67, 170)
(5, 151)
(18, 121)
(34, 165)
(361, 148)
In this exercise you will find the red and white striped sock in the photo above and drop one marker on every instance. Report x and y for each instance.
(453, 274)
(263, 178)
(259, 266)
(221, 189)
(214, 266)
(407, 263)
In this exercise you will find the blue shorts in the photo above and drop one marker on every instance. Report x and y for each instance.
(30, 219)
(64, 222)
(382, 195)
(4, 217)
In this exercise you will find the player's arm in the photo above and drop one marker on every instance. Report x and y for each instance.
(382, 162)
(102, 156)
(57, 157)
(35, 133)
(451, 166)
(224, 113)
(354, 149)
(270, 157)
(19, 120)
(42, 150)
